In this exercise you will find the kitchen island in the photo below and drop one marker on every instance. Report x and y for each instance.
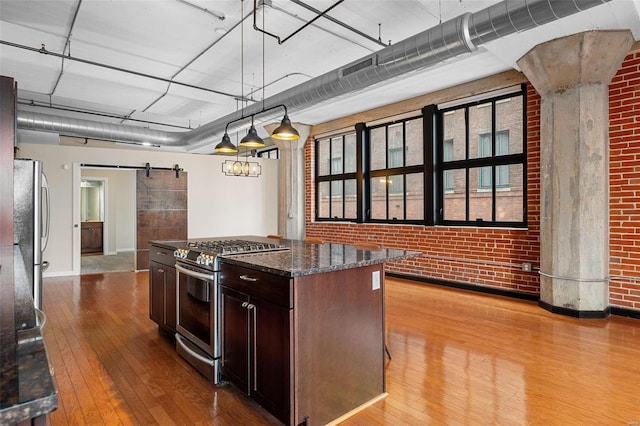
(302, 328)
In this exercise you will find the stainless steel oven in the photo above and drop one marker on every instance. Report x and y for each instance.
(198, 301)
(197, 338)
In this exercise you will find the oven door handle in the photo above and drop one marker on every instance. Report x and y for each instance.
(195, 274)
(179, 340)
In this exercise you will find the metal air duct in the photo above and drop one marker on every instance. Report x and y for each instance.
(445, 41)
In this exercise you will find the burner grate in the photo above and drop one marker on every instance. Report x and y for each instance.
(234, 246)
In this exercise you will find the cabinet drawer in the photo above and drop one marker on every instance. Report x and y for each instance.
(260, 284)
(161, 255)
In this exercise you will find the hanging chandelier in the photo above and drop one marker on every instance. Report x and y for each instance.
(241, 168)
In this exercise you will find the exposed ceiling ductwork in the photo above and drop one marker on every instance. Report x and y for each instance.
(458, 36)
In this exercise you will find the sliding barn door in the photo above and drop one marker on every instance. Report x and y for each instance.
(161, 210)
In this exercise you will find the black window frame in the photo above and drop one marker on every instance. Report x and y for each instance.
(337, 178)
(433, 168)
(267, 153)
(388, 172)
(468, 164)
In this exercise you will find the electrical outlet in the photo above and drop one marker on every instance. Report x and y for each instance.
(526, 267)
(375, 280)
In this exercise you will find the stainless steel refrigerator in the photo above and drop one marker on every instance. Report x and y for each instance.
(31, 219)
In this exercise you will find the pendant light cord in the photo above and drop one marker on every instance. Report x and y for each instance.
(264, 12)
(242, 54)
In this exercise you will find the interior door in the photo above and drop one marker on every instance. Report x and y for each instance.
(161, 210)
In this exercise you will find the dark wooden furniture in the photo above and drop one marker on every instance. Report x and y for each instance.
(162, 288)
(91, 237)
(7, 142)
(307, 348)
(256, 310)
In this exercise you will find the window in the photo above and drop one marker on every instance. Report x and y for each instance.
(396, 176)
(463, 164)
(336, 195)
(483, 162)
(270, 153)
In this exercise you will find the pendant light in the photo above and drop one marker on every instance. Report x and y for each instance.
(226, 146)
(285, 131)
(252, 140)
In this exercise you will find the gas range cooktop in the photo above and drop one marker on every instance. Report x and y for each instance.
(204, 253)
(234, 246)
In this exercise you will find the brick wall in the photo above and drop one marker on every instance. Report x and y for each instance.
(624, 184)
(478, 256)
(492, 257)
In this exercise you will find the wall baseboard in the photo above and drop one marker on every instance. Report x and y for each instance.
(625, 312)
(610, 310)
(575, 312)
(58, 274)
(470, 287)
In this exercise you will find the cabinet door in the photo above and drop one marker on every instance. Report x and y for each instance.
(162, 296)
(270, 360)
(157, 279)
(91, 237)
(171, 310)
(235, 337)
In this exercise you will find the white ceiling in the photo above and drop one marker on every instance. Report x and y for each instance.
(198, 43)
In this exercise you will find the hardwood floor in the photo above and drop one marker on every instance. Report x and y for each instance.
(458, 358)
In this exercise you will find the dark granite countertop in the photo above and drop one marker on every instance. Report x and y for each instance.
(27, 388)
(303, 258)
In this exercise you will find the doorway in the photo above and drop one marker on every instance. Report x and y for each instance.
(92, 199)
(107, 207)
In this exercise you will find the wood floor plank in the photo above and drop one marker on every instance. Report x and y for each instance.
(457, 358)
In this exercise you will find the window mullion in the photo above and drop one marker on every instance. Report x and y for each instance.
(466, 141)
(362, 166)
(431, 134)
(494, 152)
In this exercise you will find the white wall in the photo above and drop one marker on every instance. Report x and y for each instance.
(218, 205)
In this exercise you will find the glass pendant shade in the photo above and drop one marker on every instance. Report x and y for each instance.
(285, 131)
(237, 168)
(252, 140)
(226, 147)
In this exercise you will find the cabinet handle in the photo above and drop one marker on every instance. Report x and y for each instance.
(248, 278)
(161, 270)
(255, 350)
(161, 253)
(245, 304)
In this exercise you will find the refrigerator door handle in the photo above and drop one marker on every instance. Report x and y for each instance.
(46, 213)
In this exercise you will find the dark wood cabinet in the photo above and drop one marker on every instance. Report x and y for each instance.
(91, 236)
(8, 91)
(162, 288)
(308, 348)
(255, 338)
